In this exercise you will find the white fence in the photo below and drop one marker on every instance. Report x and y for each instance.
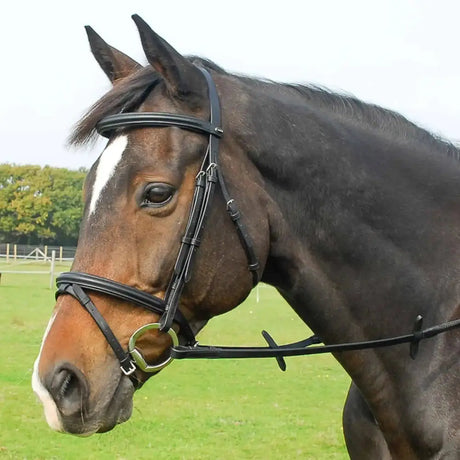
(13, 252)
(51, 272)
(16, 257)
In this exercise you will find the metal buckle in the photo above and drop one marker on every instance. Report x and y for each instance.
(130, 370)
(137, 355)
(211, 172)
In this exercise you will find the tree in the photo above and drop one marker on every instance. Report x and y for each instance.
(40, 205)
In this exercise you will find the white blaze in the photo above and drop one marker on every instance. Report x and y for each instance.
(108, 162)
(51, 412)
(107, 165)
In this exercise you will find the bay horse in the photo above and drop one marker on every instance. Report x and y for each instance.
(351, 211)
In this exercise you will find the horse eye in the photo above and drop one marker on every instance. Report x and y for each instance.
(157, 194)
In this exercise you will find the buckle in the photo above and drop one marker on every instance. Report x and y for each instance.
(130, 370)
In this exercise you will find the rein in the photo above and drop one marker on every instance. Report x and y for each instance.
(208, 177)
(304, 347)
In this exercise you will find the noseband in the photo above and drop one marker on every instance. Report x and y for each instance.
(76, 283)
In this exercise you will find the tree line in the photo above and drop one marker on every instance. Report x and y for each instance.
(40, 205)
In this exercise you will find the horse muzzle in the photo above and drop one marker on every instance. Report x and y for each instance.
(71, 408)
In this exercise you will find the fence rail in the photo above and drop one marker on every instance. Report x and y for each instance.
(14, 256)
(50, 272)
(11, 252)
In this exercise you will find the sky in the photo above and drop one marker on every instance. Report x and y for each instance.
(403, 55)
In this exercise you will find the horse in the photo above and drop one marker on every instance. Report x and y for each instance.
(211, 182)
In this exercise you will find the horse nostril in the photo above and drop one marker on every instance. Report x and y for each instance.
(69, 389)
(66, 383)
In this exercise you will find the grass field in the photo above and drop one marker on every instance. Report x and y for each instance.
(203, 410)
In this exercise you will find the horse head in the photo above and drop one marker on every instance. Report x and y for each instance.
(139, 198)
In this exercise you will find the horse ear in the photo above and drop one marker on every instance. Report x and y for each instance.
(114, 63)
(182, 78)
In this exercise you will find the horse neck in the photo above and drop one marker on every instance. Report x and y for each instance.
(364, 237)
(355, 213)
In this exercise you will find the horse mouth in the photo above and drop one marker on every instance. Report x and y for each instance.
(106, 413)
(120, 408)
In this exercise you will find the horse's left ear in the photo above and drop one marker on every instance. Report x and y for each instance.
(182, 78)
(113, 62)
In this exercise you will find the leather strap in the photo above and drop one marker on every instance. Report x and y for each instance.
(206, 181)
(152, 119)
(123, 292)
(243, 234)
(302, 348)
(126, 364)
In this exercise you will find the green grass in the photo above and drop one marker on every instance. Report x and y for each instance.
(204, 409)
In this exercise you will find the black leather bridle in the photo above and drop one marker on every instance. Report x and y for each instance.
(209, 176)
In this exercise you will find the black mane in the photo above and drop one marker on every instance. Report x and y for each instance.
(374, 116)
(130, 92)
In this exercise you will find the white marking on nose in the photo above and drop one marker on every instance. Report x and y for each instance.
(51, 411)
(108, 162)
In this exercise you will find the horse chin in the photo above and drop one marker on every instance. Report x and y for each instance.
(106, 413)
(120, 407)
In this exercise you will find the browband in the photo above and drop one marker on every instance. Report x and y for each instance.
(148, 119)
